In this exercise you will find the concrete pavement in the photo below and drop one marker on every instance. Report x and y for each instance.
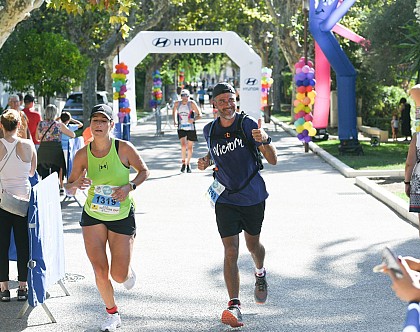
(323, 234)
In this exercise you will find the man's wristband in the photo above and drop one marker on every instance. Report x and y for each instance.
(268, 141)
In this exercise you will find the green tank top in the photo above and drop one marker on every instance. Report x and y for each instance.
(106, 172)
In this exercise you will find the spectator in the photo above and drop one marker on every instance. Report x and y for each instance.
(412, 175)
(87, 135)
(34, 118)
(23, 129)
(17, 163)
(407, 288)
(21, 103)
(394, 127)
(201, 94)
(405, 109)
(50, 153)
(73, 125)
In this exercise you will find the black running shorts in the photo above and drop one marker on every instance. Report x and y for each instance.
(125, 226)
(233, 219)
(191, 134)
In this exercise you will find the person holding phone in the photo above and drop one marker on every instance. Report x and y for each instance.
(406, 287)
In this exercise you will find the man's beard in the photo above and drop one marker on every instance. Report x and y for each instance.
(228, 116)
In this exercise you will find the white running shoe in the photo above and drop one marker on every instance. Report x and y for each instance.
(112, 322)
(131, 280)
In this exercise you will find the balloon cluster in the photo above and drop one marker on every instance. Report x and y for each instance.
(181, 78)
(157, 89)
(266, 82)
(305, 98)
(119, 84)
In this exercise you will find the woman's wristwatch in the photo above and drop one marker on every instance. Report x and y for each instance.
(132, 185)
(406, 182)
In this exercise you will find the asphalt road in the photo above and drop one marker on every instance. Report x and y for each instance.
(322, 233)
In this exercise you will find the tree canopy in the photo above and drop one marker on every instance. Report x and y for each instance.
(44, 62)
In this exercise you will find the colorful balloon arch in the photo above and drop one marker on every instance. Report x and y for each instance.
(305, 98)
(120, 87)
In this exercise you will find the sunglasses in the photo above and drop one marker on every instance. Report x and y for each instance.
(184, 95)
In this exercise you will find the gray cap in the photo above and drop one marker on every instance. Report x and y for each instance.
(222, 87)
(103, 109)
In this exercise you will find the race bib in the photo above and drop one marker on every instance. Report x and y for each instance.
(185, 126)
(103, 202)
(214, 192)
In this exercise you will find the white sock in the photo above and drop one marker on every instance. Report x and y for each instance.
(260, 272)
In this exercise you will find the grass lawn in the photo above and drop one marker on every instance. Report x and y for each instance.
(384, 156)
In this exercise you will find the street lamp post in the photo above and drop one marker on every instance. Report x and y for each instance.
(305, 9)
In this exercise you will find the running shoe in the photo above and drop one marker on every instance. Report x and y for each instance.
(260, 292)
(22, 294)
(232, 316)
(131, 280)
(5, 296)
(183, 168)
(112, 322)
(188, 169)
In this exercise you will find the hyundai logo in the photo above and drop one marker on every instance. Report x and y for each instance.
(161, 42)
(251, 81)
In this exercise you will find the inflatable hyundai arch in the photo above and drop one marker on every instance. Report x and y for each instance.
(226, 42)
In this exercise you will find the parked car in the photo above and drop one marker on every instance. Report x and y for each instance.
(74, 104)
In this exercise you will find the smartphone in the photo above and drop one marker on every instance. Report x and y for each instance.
(391, 261)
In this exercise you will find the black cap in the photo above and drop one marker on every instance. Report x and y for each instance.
(222, 87)
(103, 109)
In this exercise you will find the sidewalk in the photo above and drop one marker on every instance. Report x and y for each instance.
(323, 234)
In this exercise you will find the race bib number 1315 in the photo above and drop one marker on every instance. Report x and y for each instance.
(103, 202)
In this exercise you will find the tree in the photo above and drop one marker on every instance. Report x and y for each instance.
(99, 40)
(44, 62)
(12, 12)
(386, 58)
(286, 30)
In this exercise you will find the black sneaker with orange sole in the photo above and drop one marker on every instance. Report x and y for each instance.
(260, 292)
